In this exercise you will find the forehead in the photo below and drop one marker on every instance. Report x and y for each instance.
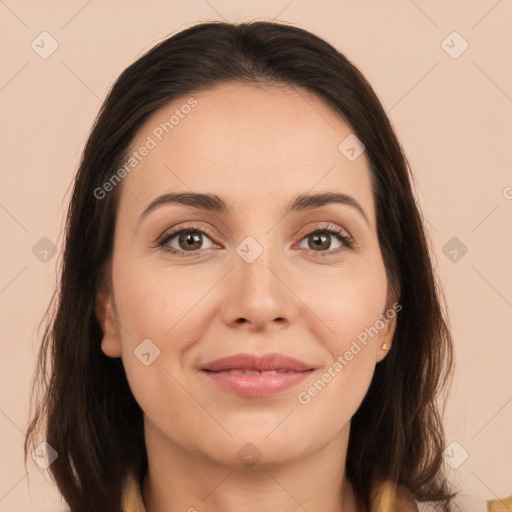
(247, 144)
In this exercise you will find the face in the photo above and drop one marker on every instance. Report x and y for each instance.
(263, 273)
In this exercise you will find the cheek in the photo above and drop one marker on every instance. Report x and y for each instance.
(156, 303)
(162, 315)
(350, 306)
(347, 304)
(335, 396)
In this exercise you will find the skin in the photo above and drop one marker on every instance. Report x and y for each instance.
(256, 147)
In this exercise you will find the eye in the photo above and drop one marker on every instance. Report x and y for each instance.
(189, 240)
(319, 240)
(186, 240)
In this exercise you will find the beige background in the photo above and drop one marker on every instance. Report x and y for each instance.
(453, 117)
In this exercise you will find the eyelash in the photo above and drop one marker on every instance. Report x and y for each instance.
(347, 241)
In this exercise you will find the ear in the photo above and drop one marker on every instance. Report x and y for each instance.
(385, 337)
(104, 309)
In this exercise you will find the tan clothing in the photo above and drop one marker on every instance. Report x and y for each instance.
(385, 499)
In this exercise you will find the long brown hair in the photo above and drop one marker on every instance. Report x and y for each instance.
(83, 405)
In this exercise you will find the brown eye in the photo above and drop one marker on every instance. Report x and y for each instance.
(185, 241)
(190, 240)
(318, 241)
(321, 240)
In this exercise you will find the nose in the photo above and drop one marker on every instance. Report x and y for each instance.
(257, 296)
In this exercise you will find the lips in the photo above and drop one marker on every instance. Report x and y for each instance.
(257, 376)
(265, 363)
(256, 372)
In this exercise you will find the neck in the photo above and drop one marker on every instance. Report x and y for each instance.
(185, 480)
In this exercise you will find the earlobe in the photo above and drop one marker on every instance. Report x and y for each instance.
(110, 344)
(384, 341)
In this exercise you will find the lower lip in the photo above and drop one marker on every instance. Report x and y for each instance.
(257, 386)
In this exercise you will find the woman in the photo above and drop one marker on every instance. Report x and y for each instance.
(248, 318)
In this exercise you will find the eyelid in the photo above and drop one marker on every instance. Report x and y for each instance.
(176, 230)
(336, 231)
(345, 238)
(325, 226)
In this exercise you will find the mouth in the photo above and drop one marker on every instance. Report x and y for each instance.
(257, 376)
(264, 363)
(280, 371)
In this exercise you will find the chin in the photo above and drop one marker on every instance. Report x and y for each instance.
(258, 451)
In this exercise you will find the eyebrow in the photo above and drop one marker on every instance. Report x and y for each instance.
(213, 203)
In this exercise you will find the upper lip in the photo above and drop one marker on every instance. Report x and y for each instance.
(254, 362)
